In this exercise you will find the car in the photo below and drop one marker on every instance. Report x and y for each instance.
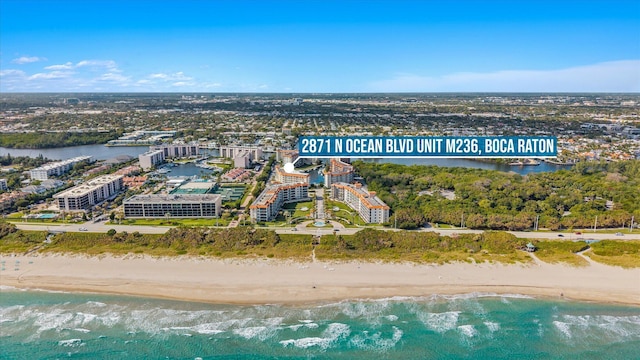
(83, 229)
(578, 233)
(560, 235)
(619, 234)
(294, 229)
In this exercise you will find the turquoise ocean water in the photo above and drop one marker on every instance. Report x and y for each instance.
(48, 325)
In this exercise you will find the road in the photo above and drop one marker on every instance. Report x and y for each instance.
(303, 229)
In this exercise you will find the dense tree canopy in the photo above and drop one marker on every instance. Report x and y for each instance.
(486, 199)
(42, 140)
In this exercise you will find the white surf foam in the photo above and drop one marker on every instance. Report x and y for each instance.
(492, 326)
(333, 333)
(439, 322)
(71, 343)
(563, 328)
(467, 330)
(376, 342)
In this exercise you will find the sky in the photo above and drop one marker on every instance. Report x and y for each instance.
(322, 46)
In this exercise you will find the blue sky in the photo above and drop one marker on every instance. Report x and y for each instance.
(319, 46)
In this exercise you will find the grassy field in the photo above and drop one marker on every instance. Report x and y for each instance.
(561, 252)
(618, 253)
(21, 241)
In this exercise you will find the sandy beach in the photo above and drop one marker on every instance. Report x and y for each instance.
(237, 281)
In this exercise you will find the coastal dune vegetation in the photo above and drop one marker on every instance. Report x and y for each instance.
(366, 245)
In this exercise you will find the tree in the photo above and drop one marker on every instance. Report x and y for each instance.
(111, 232)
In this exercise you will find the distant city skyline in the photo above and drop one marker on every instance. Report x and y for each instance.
(319, 46)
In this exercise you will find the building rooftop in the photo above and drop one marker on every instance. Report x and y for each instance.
(57, 164)
(88, 186)
(295, 174)
(163, 199)
(269, 195)
(369, 199)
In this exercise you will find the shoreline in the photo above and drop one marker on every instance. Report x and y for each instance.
(258, 281)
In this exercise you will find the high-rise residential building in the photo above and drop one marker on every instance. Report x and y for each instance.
(270, 201)
(56, 168)
(230, 151)
(370, 208)
(90, 193)
(172, 151)
(284, 177)
(242, 160)
(150, 159)
(173, 205)
(3, 185)
(338, 171)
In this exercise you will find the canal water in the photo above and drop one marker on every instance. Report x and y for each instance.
(101, 152)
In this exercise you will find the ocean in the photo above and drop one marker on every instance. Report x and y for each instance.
(55, 325)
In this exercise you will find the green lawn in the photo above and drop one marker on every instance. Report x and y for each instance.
(344, 212)
(175, 222)
(296, 208)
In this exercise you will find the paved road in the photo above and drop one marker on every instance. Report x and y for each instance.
(302, 229)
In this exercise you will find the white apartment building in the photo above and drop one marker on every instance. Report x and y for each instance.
(174, 205)
(3, 185)
(270, 201)
(232, 151)
(242, 160)
(171, 151)
(94, 191)
(150, 159)
(56, 168)
(370, 208)
(284, 177)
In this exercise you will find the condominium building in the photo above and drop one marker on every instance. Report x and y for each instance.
(94, 191)
(289, 156)
(255, 153)
(242, 159)
(171, 151)
(173, 205)
(56, 168)
(150, 159)
(3, 185)
(370, 208)
(270, 201)
(338, 172)
(284, 177)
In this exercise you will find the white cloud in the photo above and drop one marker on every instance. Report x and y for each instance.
(12, 73)
(27, 59)
(109, 64)
(66, 66)
(178, 76)
(614, 76)
(114, 77)
(182, 83)
(51, 75)
(97, 75)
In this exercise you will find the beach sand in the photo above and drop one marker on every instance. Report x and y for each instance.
(259, 281)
